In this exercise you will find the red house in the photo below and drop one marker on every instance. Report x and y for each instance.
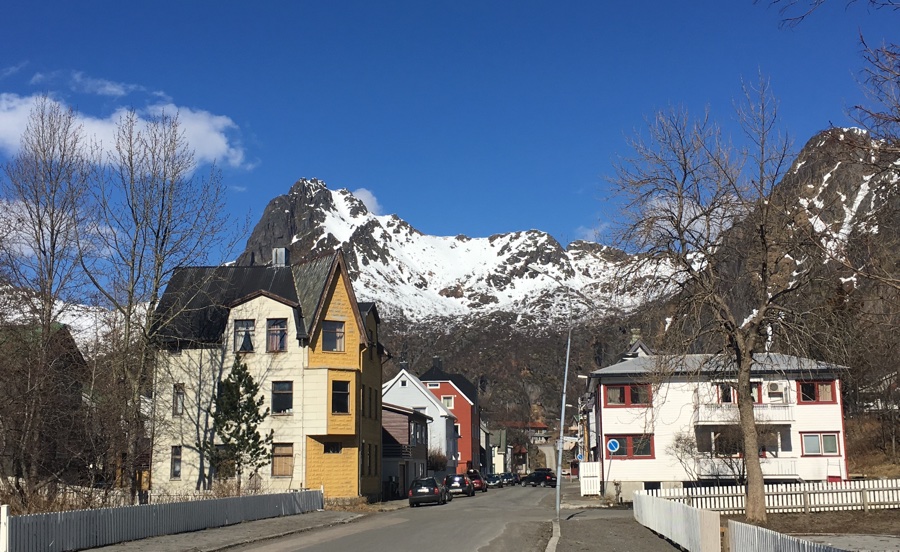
(461, 398)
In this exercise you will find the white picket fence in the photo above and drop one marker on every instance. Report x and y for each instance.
(690, 528)
(698, 530)
(800, 497)
(80, 529)
(750, 538)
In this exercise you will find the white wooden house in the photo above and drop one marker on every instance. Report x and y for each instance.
(671, 421)
(408, 391)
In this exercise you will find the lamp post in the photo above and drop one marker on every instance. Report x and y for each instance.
(562, 406)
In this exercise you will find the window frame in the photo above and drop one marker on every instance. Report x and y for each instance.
(280, 393)
(279, 332)
(345, 396)
(247, 326)
(733, 393)
(276, 456)
(452, 401)
(178, 396)
(627, 395)
(821, 441)
(175, 463)
(816, 383)
(333, 330)
(629, 446)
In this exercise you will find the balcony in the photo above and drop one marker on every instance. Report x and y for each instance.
(397, 451)
(724, 468)
(727, 413)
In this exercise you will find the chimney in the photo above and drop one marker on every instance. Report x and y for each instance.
(404, 365)
(437, 363)
(280, 256)
(635, 335)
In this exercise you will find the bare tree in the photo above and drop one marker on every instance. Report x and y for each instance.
(707, 217)
(43, 189)
(152, 212)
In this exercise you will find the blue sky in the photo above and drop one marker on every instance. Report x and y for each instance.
(461, 117)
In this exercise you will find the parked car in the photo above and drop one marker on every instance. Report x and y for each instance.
(477, 480)
(540, 478)
(427, 490)
(494, 480)
(508, 478)
(459, 483)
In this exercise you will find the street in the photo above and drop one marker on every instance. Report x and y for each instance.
(512, 519)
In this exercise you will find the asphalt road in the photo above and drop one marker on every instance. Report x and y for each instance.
(512, 519)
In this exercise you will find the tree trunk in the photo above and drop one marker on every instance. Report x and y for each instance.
(755, 507)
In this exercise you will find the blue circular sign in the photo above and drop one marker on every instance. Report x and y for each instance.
(612, 445)
(580, 457)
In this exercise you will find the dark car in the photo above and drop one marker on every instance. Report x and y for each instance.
(540, 478)
(477, 480)
(459, 483)
(508, 478)
(494, 481)
(426, 490)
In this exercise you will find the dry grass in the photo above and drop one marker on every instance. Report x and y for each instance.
(875, 522)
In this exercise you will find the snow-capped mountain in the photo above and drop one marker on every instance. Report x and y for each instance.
(419, 277)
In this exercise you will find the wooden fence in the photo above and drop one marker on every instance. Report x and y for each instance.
(80, 529)
(690, 528)
(801, 497)
(750, 538)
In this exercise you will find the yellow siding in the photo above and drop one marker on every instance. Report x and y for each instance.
(338, 308)
(338, 474)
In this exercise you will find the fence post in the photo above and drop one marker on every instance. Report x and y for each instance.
(865, 499)
(806, 502)
(4, 528)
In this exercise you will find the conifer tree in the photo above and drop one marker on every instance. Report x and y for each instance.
(236, 422)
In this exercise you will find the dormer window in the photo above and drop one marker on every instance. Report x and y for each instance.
(333, 336)
(243, 335)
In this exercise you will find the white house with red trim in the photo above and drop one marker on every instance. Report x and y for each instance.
(671, 421)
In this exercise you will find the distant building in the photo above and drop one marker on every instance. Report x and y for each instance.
(408, 391)
(460, 397)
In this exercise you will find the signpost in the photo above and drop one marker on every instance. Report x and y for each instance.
(613, 447)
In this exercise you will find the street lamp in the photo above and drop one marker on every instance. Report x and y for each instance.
(562, 406)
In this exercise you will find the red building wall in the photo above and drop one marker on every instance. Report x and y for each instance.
(466, 416)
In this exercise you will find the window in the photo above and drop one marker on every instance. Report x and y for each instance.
(340, 397)
(282, 460)
(175, 472)
(820, 444)
(728, 392)
(333, 447)
(243, 335)
(433, 385)
(178, 399)
(815, 392)
(332, 336)
(448, 401)
(282, 397)
(403, 383)
(458, 430)
(635, 394)
(631, 446)
(276, 335)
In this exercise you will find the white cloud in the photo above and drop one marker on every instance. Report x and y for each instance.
(368, 199)
(80, 82)
(592, 234)
(12, 70)
(210, 136)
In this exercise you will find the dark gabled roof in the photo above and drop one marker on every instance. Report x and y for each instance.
(435, 374)
(194, 307)
(716, 366)
(365, 308)
(311, 281)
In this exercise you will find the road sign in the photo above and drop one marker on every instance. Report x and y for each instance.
(580, 457)
(612, 445)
